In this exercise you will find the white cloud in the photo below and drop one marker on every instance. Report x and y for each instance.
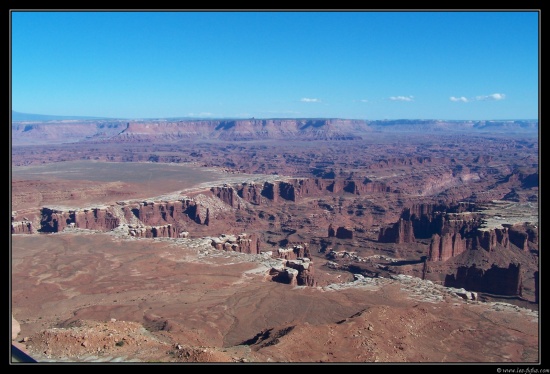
(364, 100)
(461, 98)
(492, 97)
(309, 100)
(401, 98)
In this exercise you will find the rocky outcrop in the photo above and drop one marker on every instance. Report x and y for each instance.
(446, 246)
(308, 187)
(363, 269)
(341, 232)
(304, 266)
(54, 220)
(294, 252)
(519, 237)
(96, 218)
(453, 229)
(356, 187)
(294, 189)
(526, 180)
(400, 232)
(287, 191)
(176, 213)
(226, 194)
(344, 232)
(164, 231)
(495, 280)
(250, 192)
(489, 239)
(409, 161)
(162, 218)
(271, 191)
(298, 272)
(453, 242)
(158, 213)
(428, 219)
(331, 231)
(244, 243)
(22, 227)
(281, 274)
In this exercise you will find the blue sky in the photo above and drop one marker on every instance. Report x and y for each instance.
(361, 64)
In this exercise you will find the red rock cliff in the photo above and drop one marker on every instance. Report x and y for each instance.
(54, 220)
(22, 227)
(495, 280)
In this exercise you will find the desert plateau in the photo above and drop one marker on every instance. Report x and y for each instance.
(275, 241)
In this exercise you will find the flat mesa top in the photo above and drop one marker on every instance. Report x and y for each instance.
(127, 172)
(79, 184)
(500, 212)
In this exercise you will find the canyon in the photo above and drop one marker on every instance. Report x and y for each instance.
(277, 240)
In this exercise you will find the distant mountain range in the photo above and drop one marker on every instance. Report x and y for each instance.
(71, 129)
(31, 117)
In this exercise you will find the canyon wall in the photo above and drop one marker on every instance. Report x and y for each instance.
(55, 220)
(454, 229)
(495, 280)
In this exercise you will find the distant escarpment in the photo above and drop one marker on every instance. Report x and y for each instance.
(129, 131)
(412, 125)
(58, 132)
(168, 131)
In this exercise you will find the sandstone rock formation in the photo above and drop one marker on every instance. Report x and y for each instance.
(54, 220)
(164, 231)
(244, 243)
(446, 246)
(181, 212)
(495, 280)
(294, 252)
(22, 227)
(401, 232)
(156, 218)
(296, 272)
(452, 229)
(344, 232)
(341, 232)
